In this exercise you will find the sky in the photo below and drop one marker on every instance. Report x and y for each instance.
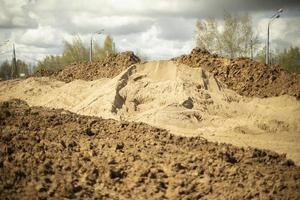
(157, 29)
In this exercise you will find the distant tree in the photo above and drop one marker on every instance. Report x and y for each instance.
(288, 59)
(50, 63)
(22, 68)
(6, 69)
(234, 39)
(74, 51)
(109, 46)
(141, 55)
(98, 52)
(208, 36)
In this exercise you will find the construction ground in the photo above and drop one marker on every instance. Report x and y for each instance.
(196, 126)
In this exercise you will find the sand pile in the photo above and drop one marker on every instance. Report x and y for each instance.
(245, 76)
(47, 153)
(109, 67)
(187, 101)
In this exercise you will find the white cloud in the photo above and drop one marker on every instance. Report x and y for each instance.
(284, 32)
(157, 28)
(43, 36)
(117, 25)
(152, 46)
(13, 14)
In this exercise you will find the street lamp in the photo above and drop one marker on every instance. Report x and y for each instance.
(275, 16)
(91, 46)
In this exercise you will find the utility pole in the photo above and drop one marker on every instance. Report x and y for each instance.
(91, 43)
(14, 64)
(275, 16)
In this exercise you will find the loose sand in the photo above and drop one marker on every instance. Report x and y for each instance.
(187, 101)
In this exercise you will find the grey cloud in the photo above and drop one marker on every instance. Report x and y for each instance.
(60, 14)
(11, 24)
(63, 21)
(215, 8)
(15, 19)
(174, 20)
(165, 8)
(124, 29)
(129, 28)
(41, 44)
(279, 43)
(176, 28)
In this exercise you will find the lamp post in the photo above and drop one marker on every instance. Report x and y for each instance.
(275, 16)
(91, 44)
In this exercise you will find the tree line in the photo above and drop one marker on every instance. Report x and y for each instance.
(9, 70)
(76, 51)
(235, 37)
(73, 51)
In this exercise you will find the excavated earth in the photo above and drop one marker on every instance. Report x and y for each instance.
(109, 67)
(52, 154)
(186, 101)
(48, 153)
(245, 76)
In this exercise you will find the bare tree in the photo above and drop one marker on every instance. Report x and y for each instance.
(208, 35)
(235, 38)
(109, 45)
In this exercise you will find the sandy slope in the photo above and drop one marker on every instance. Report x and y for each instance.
(186, 101)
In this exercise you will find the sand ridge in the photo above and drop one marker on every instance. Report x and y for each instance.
(186, 101)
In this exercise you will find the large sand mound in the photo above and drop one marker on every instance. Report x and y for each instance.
(186, 101)
(245, 76)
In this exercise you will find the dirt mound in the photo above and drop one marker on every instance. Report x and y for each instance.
(187, 101)
(54, 153)
(44, 73)
(106, 68)
(245, 76)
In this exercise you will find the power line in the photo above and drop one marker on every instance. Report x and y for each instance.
(5, 52)
(29, 58)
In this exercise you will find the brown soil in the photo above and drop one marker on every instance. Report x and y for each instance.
(245, 76)
(44, 73)
(54, 153)
(109, 67)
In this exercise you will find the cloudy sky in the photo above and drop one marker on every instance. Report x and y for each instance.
(159, 29)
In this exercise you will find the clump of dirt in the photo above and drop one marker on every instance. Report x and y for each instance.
(109, 67)
(47, 153)
(245, 76)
